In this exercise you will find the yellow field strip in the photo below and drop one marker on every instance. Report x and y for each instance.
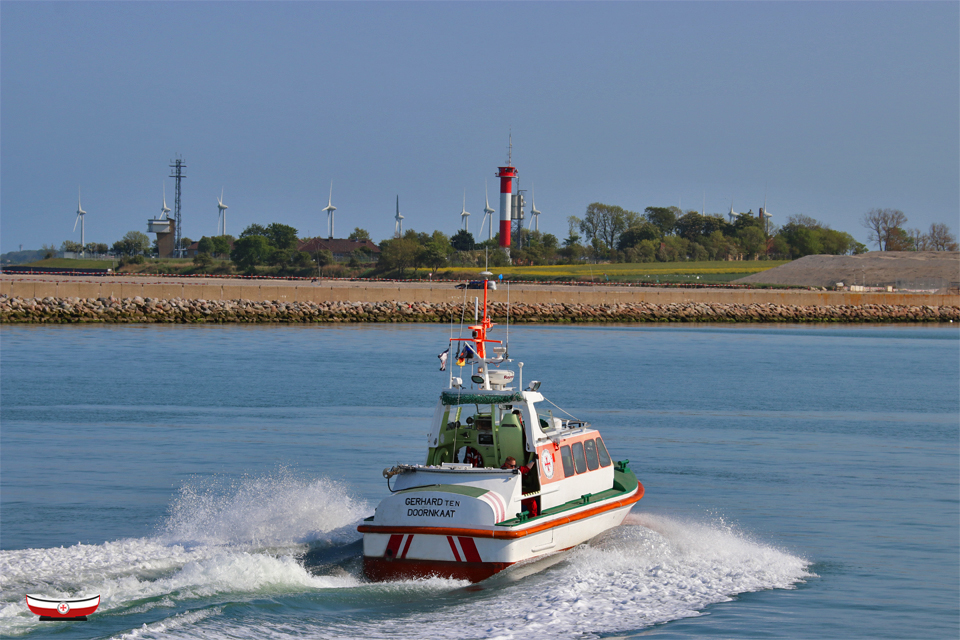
(631, 270)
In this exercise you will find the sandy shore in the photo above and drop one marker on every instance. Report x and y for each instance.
(219, 289)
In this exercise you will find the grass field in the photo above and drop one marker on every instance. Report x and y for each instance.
(708, 272)
(67, 263)
(664, 272)
(148, 266)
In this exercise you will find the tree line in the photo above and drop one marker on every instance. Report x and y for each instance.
(604, 233)
(886, 227)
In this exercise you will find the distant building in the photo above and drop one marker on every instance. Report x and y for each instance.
(165, 228)
(341, 248)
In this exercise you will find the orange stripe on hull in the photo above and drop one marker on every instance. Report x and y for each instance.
(380, 569)
(507, 534)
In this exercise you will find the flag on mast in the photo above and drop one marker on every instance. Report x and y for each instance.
(465, 354)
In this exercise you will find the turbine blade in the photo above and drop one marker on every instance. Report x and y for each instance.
(75, 222)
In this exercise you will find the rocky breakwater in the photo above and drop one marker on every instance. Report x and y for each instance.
(151, 310)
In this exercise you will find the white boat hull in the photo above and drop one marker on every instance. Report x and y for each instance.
(474, 554)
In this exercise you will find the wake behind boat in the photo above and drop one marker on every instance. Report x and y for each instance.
(504, 480)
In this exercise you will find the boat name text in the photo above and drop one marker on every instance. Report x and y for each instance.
(436, 513)
(431, 502)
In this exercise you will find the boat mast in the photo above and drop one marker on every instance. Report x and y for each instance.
(478, 335)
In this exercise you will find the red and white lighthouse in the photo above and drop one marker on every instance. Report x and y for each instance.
(506, 175)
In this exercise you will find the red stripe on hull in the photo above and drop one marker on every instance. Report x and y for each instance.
(393, 545)
(406, 547)
(379, 569)
(453, 547)
(469, 550)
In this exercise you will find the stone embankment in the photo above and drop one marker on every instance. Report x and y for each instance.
(154, 310)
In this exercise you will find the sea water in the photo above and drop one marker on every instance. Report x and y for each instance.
(801, 482)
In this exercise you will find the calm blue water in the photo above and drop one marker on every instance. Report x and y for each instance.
(207, 481)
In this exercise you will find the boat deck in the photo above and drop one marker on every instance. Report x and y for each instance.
(624, 481)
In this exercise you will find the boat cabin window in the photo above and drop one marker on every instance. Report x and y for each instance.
(482, 423)
(567, 459)
(602, 452)
(578, 459)
(590, 449)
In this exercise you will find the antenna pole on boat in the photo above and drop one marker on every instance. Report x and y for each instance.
(508, 316)
(481, 348)
(463, 312)
(452, 357)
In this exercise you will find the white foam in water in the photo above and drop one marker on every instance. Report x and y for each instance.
(263, 511)
(175, 622)
(239, 538)
(239, 542)
(651, 570)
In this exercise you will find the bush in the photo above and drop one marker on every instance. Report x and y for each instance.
(202, 260)
(647, 251)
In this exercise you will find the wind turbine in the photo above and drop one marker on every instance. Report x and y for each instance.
(533, 208)
(463, 213)
(80, 214)
(330, 209)
(487, 214)
(398, 227)
(165, 209)
(732, 213)
(764, 214)
(222, 208)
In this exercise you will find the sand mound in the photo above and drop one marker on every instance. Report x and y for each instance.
(929, 270)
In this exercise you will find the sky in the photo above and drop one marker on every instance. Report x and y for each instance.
(823, 109)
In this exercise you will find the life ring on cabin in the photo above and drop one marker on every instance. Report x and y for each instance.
(473, 457)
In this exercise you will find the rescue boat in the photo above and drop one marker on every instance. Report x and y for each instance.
(461, 514)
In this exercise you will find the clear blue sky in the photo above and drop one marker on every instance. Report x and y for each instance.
(830, 109)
